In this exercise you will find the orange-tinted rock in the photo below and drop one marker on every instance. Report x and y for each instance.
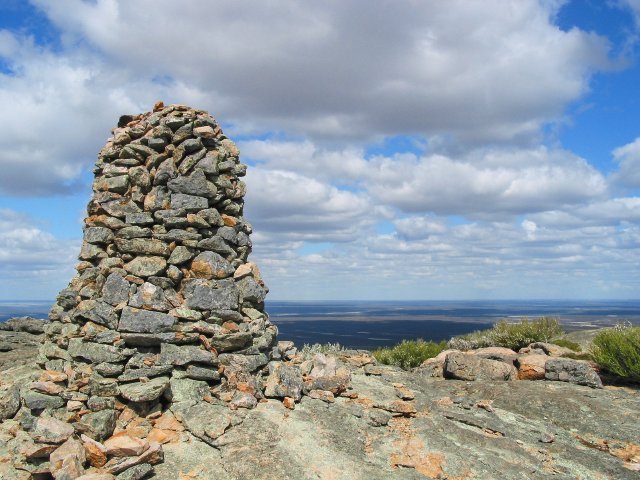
(163, 436)
(531, 366)
(52, 376)
(96, 452)
(289, 403)
(124, 445)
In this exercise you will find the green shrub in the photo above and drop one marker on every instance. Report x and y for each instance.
(510, 335)
(579, 356)
(562, 342)
(409, 354)
(617, 351)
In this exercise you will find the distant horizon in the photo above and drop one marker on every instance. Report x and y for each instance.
(399, 300)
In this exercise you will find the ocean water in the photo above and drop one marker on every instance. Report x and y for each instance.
(369, 324)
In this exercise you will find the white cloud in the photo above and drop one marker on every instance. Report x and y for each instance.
(33, 263)
(482, 182)
(494, 70)
(628, 158)
(302, 208)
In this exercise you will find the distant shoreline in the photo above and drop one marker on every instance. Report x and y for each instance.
(368, 325)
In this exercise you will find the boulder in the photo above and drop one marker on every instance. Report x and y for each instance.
(579, 372)
(531, 366)
(465, 366)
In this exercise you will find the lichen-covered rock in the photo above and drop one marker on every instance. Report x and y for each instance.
(573, 371)
(284, 381)
(464, 366)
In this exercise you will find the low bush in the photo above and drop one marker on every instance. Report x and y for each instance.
(510, 335)
(617, 351)
(409, 354)
(562, 342)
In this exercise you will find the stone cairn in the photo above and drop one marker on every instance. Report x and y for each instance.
(165, 309)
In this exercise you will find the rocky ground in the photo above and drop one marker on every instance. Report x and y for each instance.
(388, 424)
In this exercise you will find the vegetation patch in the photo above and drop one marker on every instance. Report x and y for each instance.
(562, 342)
(510, 335)
(617, 351)
(409, 353)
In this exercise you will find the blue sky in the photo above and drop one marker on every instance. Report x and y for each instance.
(397, 150)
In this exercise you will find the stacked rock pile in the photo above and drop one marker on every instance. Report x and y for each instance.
(164, 299)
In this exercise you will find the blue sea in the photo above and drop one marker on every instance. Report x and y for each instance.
(369, 324)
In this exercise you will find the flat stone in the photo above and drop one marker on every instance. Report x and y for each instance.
(96, 452)
(205, 421)
(142, 218)
(9, 402)
(190, 203)
(148, 372)
(70, 448)
(194, 184)
(95, 352)
(216, 244)
(178, 235)
(180, 255)
(251, 290)
(245, 363)
(182, 355)
(144, 321)
(115, 289)
(143, 246)
(120, 208)
(98, 312)
(150, 297)
(232, 341)
(157, 199)
(144, 391)
(202, 373)
(146, 266)
(155, 339)
(91, 252)
(153, 455)
(201, 294)
(134, 231)
(97, 425)
(98, 235)
(210, 265)
(51, 430)
(97, 403)
(125, 445)
(186, 390)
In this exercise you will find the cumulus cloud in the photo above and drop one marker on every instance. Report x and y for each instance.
(628, 158)
(303, 208)
(494, 70)
(33, 263)
(494, 181)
